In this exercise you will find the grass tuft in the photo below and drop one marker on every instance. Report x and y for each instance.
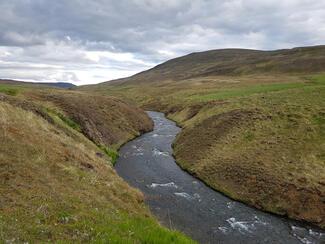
(111, 153)
(69, 122)
(318, 79)
(249, 136)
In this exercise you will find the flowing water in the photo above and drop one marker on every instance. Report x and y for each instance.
(183, 202)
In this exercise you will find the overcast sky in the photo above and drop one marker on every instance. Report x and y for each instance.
(88, 41)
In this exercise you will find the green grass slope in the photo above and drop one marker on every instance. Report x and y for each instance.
(56, 185)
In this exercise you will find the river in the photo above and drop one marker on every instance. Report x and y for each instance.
(184, 203)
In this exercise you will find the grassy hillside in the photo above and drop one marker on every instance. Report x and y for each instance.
(233, 62)
(57, 183)
(253, 128)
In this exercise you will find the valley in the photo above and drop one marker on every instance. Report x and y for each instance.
(255, 135)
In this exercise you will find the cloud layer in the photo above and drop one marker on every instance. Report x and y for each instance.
(88, 41)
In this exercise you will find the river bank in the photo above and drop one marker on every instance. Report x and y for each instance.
(182, 202)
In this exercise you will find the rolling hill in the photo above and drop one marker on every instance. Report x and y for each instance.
(234, 62)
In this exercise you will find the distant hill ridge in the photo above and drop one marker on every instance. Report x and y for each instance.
(64, 85)
(234, 62)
